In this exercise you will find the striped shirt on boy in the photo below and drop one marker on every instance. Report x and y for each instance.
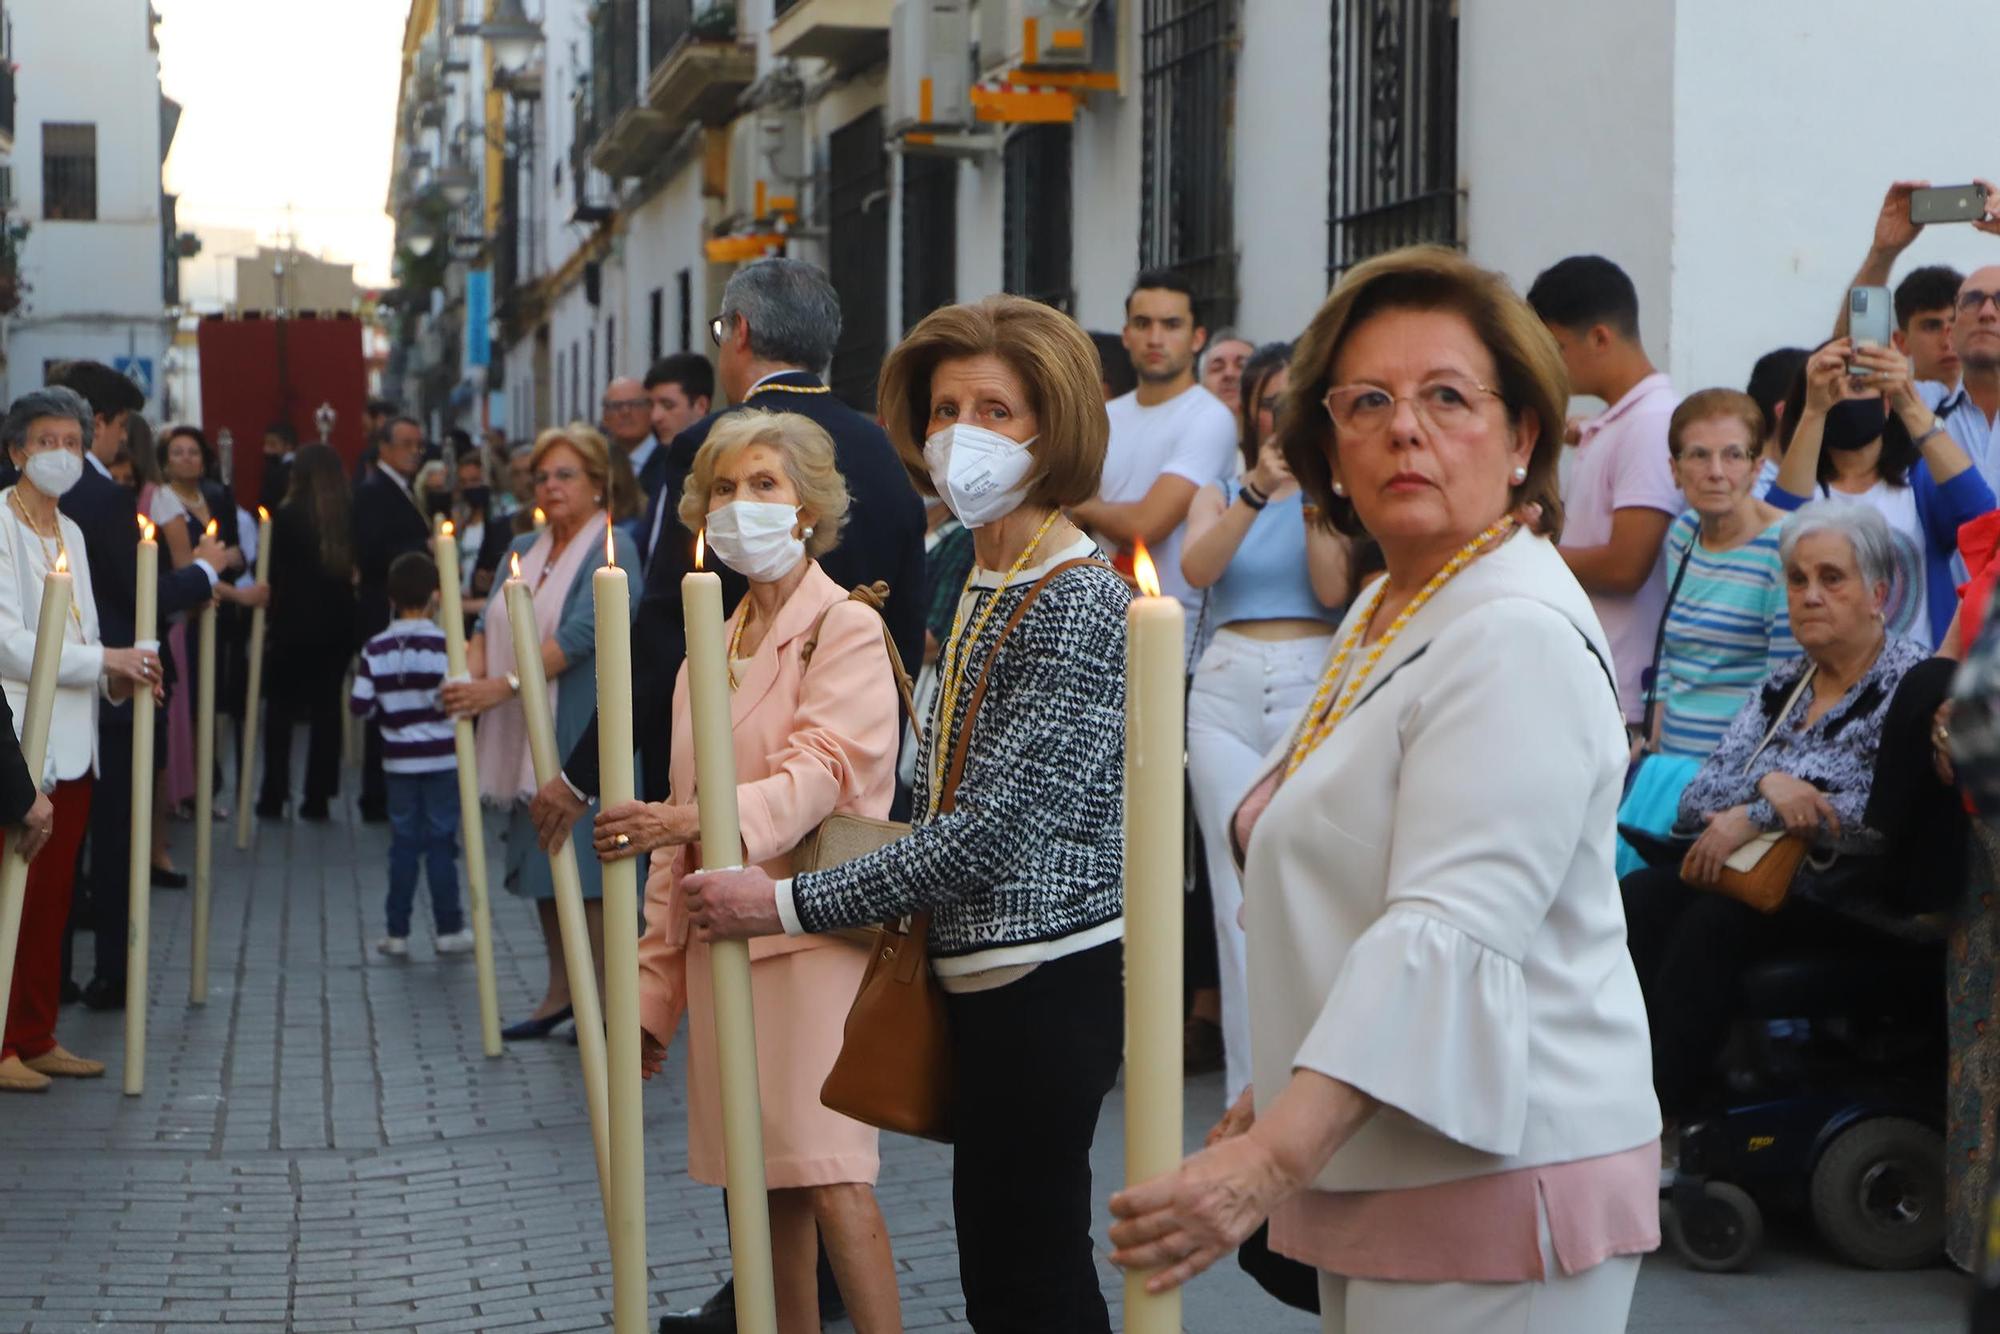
(397, 684)
(1726, 630)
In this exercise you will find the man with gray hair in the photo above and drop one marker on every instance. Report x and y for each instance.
(780, 320)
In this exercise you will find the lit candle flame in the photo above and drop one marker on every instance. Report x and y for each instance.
(447, 528)
(263, 515)
(610, 551)
(211, 529)
(62, 562)
(146, 529)
(1143, 571)
(515, 557)
(541, 518)
(700, 546)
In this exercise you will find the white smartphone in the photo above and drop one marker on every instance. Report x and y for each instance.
(1869, 319)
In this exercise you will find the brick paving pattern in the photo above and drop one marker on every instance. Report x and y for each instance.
(322, 1147)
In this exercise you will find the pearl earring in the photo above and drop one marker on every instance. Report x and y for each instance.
(806, 535)
(1520, 475)
(1339, 489)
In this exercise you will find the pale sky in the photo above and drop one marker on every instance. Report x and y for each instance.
(286, 103)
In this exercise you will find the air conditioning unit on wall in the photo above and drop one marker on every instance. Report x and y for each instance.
(1062, 34)
(930, 70)
(770, 159)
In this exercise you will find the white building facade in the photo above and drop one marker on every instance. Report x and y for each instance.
(91, 135)
(925, 151)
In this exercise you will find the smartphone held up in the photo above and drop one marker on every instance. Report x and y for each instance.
(1869, 319)
(1948, 203)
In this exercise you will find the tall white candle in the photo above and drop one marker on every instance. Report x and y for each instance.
(253, 687)
(729, 960)
(50, 631)
(1155, 731)
(562, 869)
(139, 863)
(204, 799)
(612, 590)
(471, 819)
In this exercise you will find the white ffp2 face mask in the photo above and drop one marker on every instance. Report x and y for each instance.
(754, 538)
(54, 471)
(981, 474)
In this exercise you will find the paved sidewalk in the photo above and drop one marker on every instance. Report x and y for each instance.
(323, 1148)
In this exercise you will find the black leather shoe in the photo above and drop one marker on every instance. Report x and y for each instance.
(374, 815)
(165, 879)
(717, 1315)
(270, 810)
(530, 1029)
(71, 992)
(101, 993)
(315, 810)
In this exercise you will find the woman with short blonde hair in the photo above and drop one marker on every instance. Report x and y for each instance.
(1019, 863)
(809, 462)
(569, 468)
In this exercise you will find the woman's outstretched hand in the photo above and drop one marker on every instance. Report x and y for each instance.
(1185, 1221)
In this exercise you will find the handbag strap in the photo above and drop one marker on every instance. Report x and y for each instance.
(964, 737)
(874, 596)
(1805, 680)
(1660, 636)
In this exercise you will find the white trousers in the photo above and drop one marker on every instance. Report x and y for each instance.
(1246, 697)
(1597, 1301)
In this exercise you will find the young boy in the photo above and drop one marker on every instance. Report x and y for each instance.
(397, 684)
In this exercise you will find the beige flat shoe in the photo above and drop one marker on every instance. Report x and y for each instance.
(65, 1065)
(18, 1078)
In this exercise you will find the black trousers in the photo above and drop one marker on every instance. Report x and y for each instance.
(107, 850)
(305, 688)
(1690, 948)
(1032, 1062)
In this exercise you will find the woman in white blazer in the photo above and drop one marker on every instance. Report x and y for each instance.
(1452, 1116)
(45, 434)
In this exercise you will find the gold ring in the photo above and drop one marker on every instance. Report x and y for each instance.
(623, 841)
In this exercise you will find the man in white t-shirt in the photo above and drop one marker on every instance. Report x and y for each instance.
(1620, 493)
(1169, 437)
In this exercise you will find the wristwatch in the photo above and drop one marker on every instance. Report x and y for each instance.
(513, 683)
(1937, 429)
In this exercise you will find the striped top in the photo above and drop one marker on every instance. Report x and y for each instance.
(1725, 632)
(397, 683)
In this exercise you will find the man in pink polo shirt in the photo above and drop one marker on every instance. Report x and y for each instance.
(1620, 493)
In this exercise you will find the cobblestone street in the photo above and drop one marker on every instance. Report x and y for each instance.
(322, 1148)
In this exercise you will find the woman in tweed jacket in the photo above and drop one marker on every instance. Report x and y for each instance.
(997, 408)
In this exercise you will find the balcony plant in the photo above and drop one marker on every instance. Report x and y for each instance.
(13, 240)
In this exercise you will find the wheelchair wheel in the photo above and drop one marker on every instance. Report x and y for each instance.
(1878, 1194)
(1719, 1232)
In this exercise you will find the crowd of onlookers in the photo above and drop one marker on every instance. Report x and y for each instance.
(1775, 573)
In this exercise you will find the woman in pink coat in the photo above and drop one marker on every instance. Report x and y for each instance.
(811, 739)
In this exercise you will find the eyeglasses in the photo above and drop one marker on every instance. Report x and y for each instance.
(1731, 456)
(628, 405)
(547, 475)
(1970, 302)
(1445, 402)
(715, 328)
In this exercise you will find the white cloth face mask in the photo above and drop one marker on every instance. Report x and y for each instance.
(755, 539)
(54, 471)
(981, 474)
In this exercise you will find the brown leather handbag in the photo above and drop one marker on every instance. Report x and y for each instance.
(894, 1067)
(1760, 873)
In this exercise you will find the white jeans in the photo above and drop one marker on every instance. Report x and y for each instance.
(1246, 698)
(1597, 1301)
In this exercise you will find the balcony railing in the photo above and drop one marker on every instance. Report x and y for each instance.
(699, 64)
(7, 95)
(614, 67)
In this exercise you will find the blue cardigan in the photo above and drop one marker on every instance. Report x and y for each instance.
(1941, 509)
